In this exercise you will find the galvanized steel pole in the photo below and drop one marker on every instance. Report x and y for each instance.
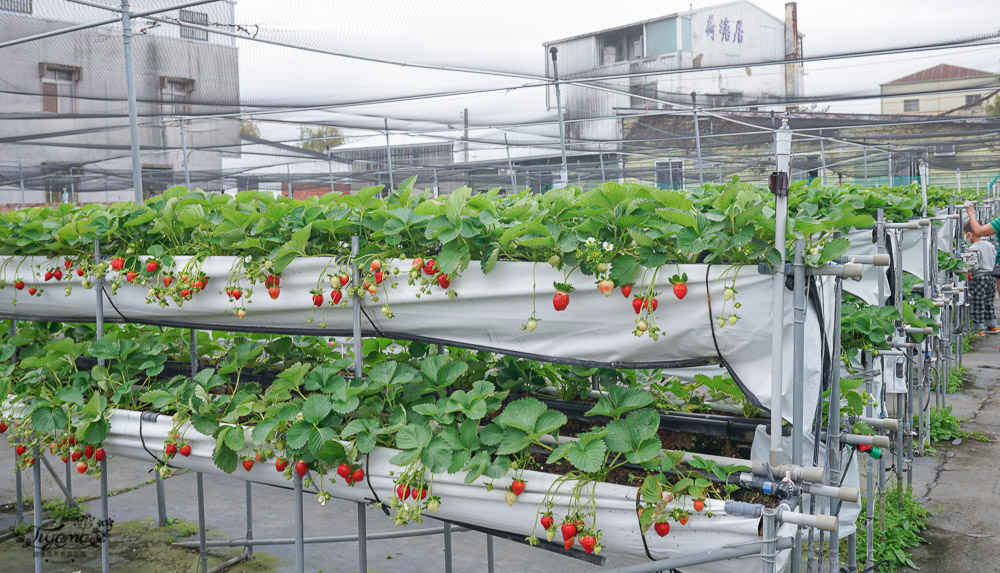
(184, 150)
(697, 137)
(133, 114)
(388, 154)
(20, 175)
(564, 173)
(798, 374)
(36, 478)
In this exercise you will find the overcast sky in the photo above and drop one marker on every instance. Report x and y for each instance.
(508, 36)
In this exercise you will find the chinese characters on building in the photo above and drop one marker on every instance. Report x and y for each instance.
(729, 31)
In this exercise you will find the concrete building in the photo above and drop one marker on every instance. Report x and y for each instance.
(63, 111)
(933, 92)
(722, 35)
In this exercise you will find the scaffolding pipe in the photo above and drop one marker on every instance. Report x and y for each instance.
(564, 172)
(783, 148)
(313, 540)
(133, 115)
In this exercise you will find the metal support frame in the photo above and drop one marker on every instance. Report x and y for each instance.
(184, 157)
(20, 175)
(133, 114)
(783, 143)
(388, 154)
(202, 553)
(300, 549)
(36, 478)
(564, 170)
(697, 137)
(798, 374)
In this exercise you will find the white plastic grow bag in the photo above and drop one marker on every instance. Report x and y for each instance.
(472, 503)
(487, 313)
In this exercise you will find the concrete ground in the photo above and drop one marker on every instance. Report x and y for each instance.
(961, 482)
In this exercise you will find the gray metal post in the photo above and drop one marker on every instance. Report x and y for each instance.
(105, 517)
(161, 501)
(822, 158)
(697, 137)
(490, 565)
(564, 173)
(358, 359)
(300, 547)
(868, 359)
(890, 170)
(184, 150)
(798, 374)
(833, 430)
(768, 548)
(69, 482)
(72, 187)
(510, 166)
(437, 190)
(20, 175)
(288, 177)
(202, 555)
(36, 478)
(783, 145)
(852, 553)
(19, 496)
(604, 178)
(194, 352)
(133, 114)
(388, 154)
(249, 551)
(447, 548)
(329, 166)
(866, 164)
(99, 292)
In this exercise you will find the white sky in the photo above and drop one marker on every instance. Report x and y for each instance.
(508, 36)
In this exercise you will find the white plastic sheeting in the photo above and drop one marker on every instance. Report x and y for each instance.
(473, 504)
(849, 511)
(487, 313)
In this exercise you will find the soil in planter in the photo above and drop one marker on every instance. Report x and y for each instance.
(135, 546)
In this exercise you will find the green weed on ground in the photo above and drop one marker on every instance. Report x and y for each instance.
(896, 532)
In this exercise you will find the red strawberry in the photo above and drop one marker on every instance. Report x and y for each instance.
(680, 290)
(349, 480)
(79, 271)
(301, 468)
(372, 289)
(248, 465)
(237, 293)
(19, 450)
(273, 292)
(402, 491)
(117, 263)
(560, 301)
(443, 281)
(151, 266)
(100, 454)
(343, 470)
(3, 426)
(344, 279)
(627, 291)
(318, 299)
(547, 521)
(280, 465)
(684, 519)
(88, 451)
(186, 293)
(130, 276)
(336, 295)
(651, 304)
(167, 280)
(77, 455)
(272, 280)
(72, 438)
(358, 475)
(569, 543)
(568, 530)
(48, 275)
(417, 263)
(198, 285)
(68, 264)
(637, 304)
(185, 450)
(588, 542)
(171, 449)
(379, 277)
(81, 467)
(32, 291)
(376, 265)
(184, 278)
(699, 505)
(65, 459)
(57, 274)
(662, 528)
(517, 486)
(19, 285)
(430, 267)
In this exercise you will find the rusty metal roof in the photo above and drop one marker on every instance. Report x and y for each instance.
(939, 73)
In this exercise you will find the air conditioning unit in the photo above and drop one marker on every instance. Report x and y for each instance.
(946, 150)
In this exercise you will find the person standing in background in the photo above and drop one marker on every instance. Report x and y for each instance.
(993, 228)
(982, 288)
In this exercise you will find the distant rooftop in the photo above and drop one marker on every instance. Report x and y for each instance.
(941, 72)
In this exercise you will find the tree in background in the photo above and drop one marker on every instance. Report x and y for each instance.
(249, 127)
(319, 138)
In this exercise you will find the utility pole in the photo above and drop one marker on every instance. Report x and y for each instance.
(564, 172)
(697, 137)
(133, 114)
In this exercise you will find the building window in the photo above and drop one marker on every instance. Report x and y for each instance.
(972, 99)
(58, 88)
(911, 105)
(193, 17)
(176, 96)
(22, 6)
